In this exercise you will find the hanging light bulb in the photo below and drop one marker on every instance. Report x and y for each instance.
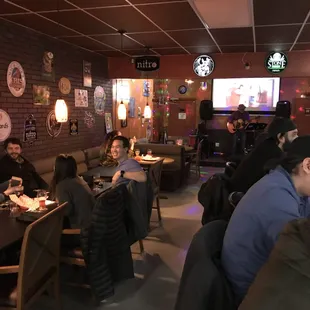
(61, 111)
(147, 111)
(121, 111)
(203, 85)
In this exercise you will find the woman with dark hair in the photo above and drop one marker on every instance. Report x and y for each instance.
(105, 152)
(68, 187)
(278, 198)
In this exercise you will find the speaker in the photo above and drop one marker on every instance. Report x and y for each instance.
(283, 109)
(206, 110)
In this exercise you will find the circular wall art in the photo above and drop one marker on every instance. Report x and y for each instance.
(5, 125)
(64, 86)
(16, 79)
(203, 65)
(182, 89)
(276, 62)
(99, 100)
(52, 126)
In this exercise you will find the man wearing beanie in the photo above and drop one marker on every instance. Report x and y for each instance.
(278, 198)
(281, 132)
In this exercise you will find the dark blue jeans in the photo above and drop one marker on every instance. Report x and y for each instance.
(239, 138)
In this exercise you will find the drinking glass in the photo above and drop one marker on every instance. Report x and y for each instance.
(97, 180)
(149, 152)
(14, 209)
(137, 152)
(42, 195)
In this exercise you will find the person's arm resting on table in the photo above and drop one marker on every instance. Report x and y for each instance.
(132, 171)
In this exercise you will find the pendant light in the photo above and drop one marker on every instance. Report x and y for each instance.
(121, 110)
(61, 109)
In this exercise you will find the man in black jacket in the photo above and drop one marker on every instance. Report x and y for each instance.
(281, 132)
(14, 164)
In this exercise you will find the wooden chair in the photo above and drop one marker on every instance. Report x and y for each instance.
(196, 158)
(38, 270)
(155, 176)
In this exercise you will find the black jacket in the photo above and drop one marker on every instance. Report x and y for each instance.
(252, 167)
(139, 207)
(26, 171)
(203, 285)
(105, 244)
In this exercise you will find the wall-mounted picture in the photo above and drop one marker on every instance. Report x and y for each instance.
(132, 107)
(48, 70)
(16, 79)
(81, 98)
(89, 120)
(74, 127)
(30, 130)
(87, 79)
(41, 95)
(99, 100)
(108, 122)
(52, 126)
(64, 86)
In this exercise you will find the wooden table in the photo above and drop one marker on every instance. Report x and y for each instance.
(106, 186)
(148, 163)
(12, 230)
(103, 171)
(188, 148)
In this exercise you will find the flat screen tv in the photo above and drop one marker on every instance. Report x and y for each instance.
(257, 94)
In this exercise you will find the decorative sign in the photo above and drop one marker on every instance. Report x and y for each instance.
(52, 126)
(99, 100)
(108, 122)
(74, 127)
(81, 98)
(182, 116)
(41, 95)
(147, 63)
(203, 65)
(64, 86)
(87, 79)
(307, 111)
(276, 62)
(182, 89)
(48, 71)
(132, 107)
(30, 130)
(146, 89)
(89, 120)
(5, 125)
(16, 79)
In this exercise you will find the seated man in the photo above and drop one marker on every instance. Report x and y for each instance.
(128, 168)
(276, 199)
(281, 132)
(14, 164)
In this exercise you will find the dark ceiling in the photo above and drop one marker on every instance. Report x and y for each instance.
(166, 27)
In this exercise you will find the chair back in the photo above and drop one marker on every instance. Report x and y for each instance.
(203, 284)
(39, 259)
(155, 175)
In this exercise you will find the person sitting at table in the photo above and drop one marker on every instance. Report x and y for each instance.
(278, 198)
(14, 164)
(128, 168)
(106, 158)
(68, 187)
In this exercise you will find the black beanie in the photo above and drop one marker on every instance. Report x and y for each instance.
(280, 125)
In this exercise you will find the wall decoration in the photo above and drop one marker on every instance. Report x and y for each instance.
(41, 95)
(89, 120)
(64, 86)
(48, 70)
(203, 65)
(276, 62)
(132, 107)
(146, 89)
(30, 129)
(147, 63)
(5, 125)
(81, 98)
(108, 122)
(99, 100)
(52, 126)
(73, 127)
(87, 79)
(182, 89)
(182, 115)
(16, 79)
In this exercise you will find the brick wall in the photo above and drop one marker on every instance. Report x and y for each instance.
(27, 47)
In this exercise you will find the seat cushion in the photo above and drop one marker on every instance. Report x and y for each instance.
(8, 290)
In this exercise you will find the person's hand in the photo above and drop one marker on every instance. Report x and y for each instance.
(13, 189)
(116, 176)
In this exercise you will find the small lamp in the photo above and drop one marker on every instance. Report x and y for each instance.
(147, 111)
(61, 111)
(121, 111)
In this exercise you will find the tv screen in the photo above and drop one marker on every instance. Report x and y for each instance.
(257, 94)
